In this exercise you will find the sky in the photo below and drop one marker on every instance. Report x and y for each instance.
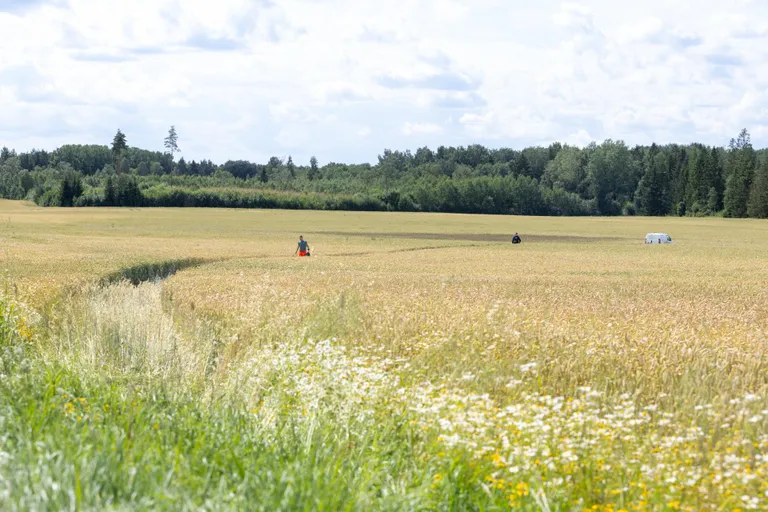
(345, 79)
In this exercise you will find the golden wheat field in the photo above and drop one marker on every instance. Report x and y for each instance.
(579, 370)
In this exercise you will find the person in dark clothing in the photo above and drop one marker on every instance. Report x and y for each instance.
(303, 248)
(516, 239)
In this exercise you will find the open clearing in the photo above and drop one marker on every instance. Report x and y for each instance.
(414, 362)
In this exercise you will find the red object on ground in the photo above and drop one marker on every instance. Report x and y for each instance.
(302, 253)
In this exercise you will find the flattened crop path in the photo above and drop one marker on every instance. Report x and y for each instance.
(474, 237)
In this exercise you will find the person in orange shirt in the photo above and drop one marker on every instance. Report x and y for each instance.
(303, 247)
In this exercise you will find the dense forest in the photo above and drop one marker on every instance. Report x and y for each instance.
(610, 178)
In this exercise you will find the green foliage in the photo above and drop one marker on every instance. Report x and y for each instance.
(70, 189)
(629, 210)
(171, 141)
(97, 444)
(601, 179)
(254, 198)
(313, 172)
(119, 146)
(740, 170)
(652, 196)
(702, 175)
(181, 167)
(110, 192)
(758, 197)
(713, 201)
(86, 159)
(566, 169)
(76, 441)
(127, 191)
(612, 175)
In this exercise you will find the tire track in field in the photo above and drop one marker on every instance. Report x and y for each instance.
(408, 249)
(159, 271)
(474, 237)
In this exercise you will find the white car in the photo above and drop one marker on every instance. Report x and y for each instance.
(658, 238)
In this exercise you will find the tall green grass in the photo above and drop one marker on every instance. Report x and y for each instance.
(78, 437)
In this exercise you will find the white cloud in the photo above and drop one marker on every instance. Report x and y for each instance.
(478, 125)
(581, 138)
(421, 128)
(252, 78)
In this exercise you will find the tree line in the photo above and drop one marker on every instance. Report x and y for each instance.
(610, 178)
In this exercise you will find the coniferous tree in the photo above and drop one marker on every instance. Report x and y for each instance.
(65, 193)
(313, 170)
(119, 147)
(698, 185)
(716, 176)
(741, 163)
(70, 189)
(291, 167)
(600, 178)
(758, 195)
(109, 192)
(522, 165)
(713, 201)
(171, 142)
(714, 180)
(677, 173)
(127, 191)
(181, 167)
(652, 195)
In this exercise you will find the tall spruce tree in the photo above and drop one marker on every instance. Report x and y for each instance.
(716, 181)
(119, 146)
(291, 167)
(181, 167)
(110, 193)
(758, 195)
(713, 201)
(653, 195)
(70, 188)
(740, 170)
(698, 185)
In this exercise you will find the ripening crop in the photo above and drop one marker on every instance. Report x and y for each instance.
(413, 361)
